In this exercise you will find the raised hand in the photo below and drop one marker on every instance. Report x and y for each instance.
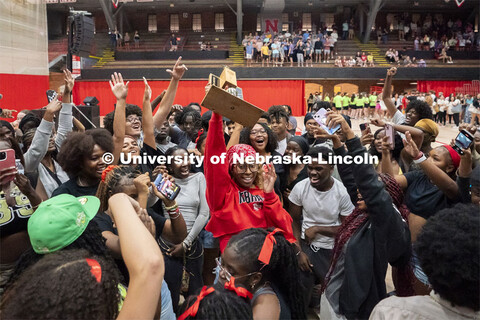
(119, 88)
(142, 182)
(409, 146)
(269, 177)
(378, 122)
(7, 113)
(69, 82)
(147, 95)
(367, 137)
(167, 202)
(178, 70)
(392, 71)
(53, 107)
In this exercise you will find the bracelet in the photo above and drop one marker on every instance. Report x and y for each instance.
(420, 160)
(420, 154)
(298, 253)
(185, 247)
(174, 215)
(175, 206)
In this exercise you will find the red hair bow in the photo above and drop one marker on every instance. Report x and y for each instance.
(241, 292)
(267, 247)
(192, 311)
(95, 269)
(106, 171)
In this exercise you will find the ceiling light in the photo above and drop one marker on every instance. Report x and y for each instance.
(413, 83)
(172, 5)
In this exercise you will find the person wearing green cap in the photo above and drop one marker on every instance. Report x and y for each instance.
(65, 217)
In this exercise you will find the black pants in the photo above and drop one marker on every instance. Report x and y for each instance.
(174, 272)
(441, 117)
(321, 263)
(456, 119)
(450, 116)
(435, 117)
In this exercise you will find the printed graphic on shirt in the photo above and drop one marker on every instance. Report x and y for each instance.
(247, 197)
(22, 209)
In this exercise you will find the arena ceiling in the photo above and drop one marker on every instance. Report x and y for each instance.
(256, 5)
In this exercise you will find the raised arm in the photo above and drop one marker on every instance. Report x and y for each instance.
(387, 92)
(120, 91)
(39, 145)
(147, 121)
(65, 118)
(235, 137)
(216, 175)
(142, 257)
(417, 134)
(438, 177)
(167, 101)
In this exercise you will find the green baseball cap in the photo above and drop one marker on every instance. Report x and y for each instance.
(59, 221)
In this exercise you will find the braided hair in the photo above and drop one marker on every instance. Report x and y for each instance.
(65, 280)
(282, 271)
(114, 180)
(359, 217)
(219, 305)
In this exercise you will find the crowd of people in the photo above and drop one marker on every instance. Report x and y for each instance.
(86, 237)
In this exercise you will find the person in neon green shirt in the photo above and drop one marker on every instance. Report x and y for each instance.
(345, 103)
(358, 106)
(373, 103)
(337, 100)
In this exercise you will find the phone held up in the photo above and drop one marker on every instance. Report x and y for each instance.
(390, 133)
(169, 189)
(8, 167)
(321, 118)
(51, 95)
(463, 141)
(364, 126)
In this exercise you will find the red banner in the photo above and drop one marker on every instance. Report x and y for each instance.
(22, 91)
(263, 94)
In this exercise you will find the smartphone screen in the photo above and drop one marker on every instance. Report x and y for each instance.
(390, 132)
(463, 141)
(167, 188)
(321, 118)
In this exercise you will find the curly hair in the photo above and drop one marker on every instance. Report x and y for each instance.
(65, 280)
(181, 115)
(282, 271)
(277, 112)
(449, 251)
(397, 149)
(117, 178)
(272, 143)
(219, 305)
(109, 117)
(421, 107)
(79, 146)
(91, 240)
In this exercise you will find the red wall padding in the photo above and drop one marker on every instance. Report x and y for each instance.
(23, 91)
(446, 87)
(263, 94)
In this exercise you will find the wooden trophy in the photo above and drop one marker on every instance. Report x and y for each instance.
(225, 98)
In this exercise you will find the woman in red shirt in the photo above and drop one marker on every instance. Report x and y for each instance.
(239, 196)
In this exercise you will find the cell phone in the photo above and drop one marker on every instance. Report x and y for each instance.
(364, 126)
(214, 80)
(51, 95)
(463, 141)
(321, 118)
(390, 133)
(169, 189)
(8, 167)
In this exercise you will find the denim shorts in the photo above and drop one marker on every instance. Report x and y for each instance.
(207, 239)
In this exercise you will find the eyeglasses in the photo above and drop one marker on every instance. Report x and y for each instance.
(242, 168)
(228, 275)
(134, 119)
(255, 132)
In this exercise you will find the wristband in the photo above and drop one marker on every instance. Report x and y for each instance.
(420, 160)
(420, 154)
(175, 206)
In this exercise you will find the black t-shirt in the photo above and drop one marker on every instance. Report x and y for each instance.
(318, 45)
(105, 223)
(14, 219)
(71, 187)
(149, 151)
(422, 197)
(174, 41)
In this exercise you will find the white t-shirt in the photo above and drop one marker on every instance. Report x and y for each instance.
(321, 208)
(282, 146)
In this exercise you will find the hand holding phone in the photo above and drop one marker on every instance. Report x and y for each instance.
(463, 141)
(166, 187)
(8, 167)
(51, 95)
(321, 118)
(390, 133)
